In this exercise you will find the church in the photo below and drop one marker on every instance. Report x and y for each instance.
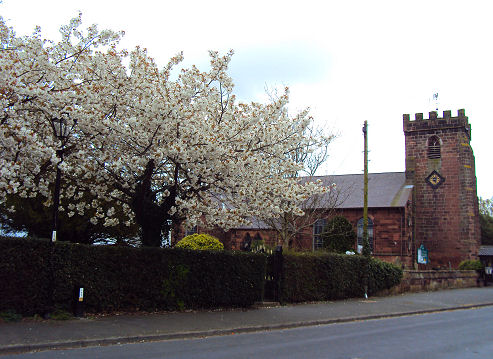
(424, 218)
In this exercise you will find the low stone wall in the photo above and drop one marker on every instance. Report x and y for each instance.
(428, 280)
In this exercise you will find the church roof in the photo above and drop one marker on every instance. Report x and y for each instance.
(384, 189)
(486, 251)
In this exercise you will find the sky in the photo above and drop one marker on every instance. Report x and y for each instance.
(348, 61)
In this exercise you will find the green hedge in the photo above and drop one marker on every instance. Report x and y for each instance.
(125, 278)
(328, 276)
(382, 275)
(476, 265)
(24, 276)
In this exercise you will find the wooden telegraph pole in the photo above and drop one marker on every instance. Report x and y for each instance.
(366, 243)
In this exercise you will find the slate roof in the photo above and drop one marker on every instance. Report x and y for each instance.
(486, 251)
(255, 224)
(384, 189)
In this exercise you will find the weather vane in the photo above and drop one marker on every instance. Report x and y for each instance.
(435, 100)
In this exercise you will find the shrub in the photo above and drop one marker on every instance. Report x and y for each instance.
(118, 278)
(471, 265)
(60, 314)
(24, 275)
(329, 276)
(10, 316)
(200, 242)
(339, 235)
(382, 275)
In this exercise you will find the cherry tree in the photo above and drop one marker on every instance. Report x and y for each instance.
(41, 84)
(170, 149)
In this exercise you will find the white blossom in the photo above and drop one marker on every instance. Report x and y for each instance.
(189, 130)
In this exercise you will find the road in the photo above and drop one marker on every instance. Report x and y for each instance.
(459, 334)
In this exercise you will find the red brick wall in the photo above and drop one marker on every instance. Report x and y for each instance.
(391, 233)
(446, 217)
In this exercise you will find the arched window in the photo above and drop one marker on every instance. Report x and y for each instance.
(360, 234)
(433, 147)
(191, 230)
(318, 229)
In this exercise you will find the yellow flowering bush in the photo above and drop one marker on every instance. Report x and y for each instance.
(200, 242)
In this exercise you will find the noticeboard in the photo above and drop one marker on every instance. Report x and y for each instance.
(422, 255)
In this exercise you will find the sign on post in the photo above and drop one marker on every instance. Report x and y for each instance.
(422, 255)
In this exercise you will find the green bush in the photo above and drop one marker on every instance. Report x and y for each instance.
(471, 265)
(9, 316)
(24, 275)
(322, 276)
(118, 278)
(60, 314)
(382, 275)
(200, 242)
(329, 276)
(339, 235)
(486, 224)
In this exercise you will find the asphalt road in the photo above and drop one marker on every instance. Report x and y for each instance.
(459, 334)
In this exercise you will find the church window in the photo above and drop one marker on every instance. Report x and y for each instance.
(434, 147)
(318, 229)
(360, 234)
(191, 230)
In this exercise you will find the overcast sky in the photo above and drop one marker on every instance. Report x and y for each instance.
(349, 61)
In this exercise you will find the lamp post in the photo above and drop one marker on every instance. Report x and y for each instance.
(62, 130)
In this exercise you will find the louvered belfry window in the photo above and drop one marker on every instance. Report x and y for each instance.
(434, 147)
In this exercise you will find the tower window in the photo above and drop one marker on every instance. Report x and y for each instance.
(434, 147)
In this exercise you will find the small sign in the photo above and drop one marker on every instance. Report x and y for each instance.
(422, 255)
(488, 270)
(81, 294)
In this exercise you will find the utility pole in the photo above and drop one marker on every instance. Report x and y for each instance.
(366, 243)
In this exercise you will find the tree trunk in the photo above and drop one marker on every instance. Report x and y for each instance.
(148, 214)
(151, 234)
(153, 218)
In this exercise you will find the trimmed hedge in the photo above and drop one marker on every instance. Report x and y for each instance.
(382, 275)
(125, 278)
(328, 276)
(24, 276)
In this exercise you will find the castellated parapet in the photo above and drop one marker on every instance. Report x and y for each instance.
(437, 123)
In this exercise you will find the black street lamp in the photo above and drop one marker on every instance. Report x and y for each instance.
(62, 131)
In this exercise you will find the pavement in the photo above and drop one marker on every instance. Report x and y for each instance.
(37, 335)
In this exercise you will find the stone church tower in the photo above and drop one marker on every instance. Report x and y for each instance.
(440, 165)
